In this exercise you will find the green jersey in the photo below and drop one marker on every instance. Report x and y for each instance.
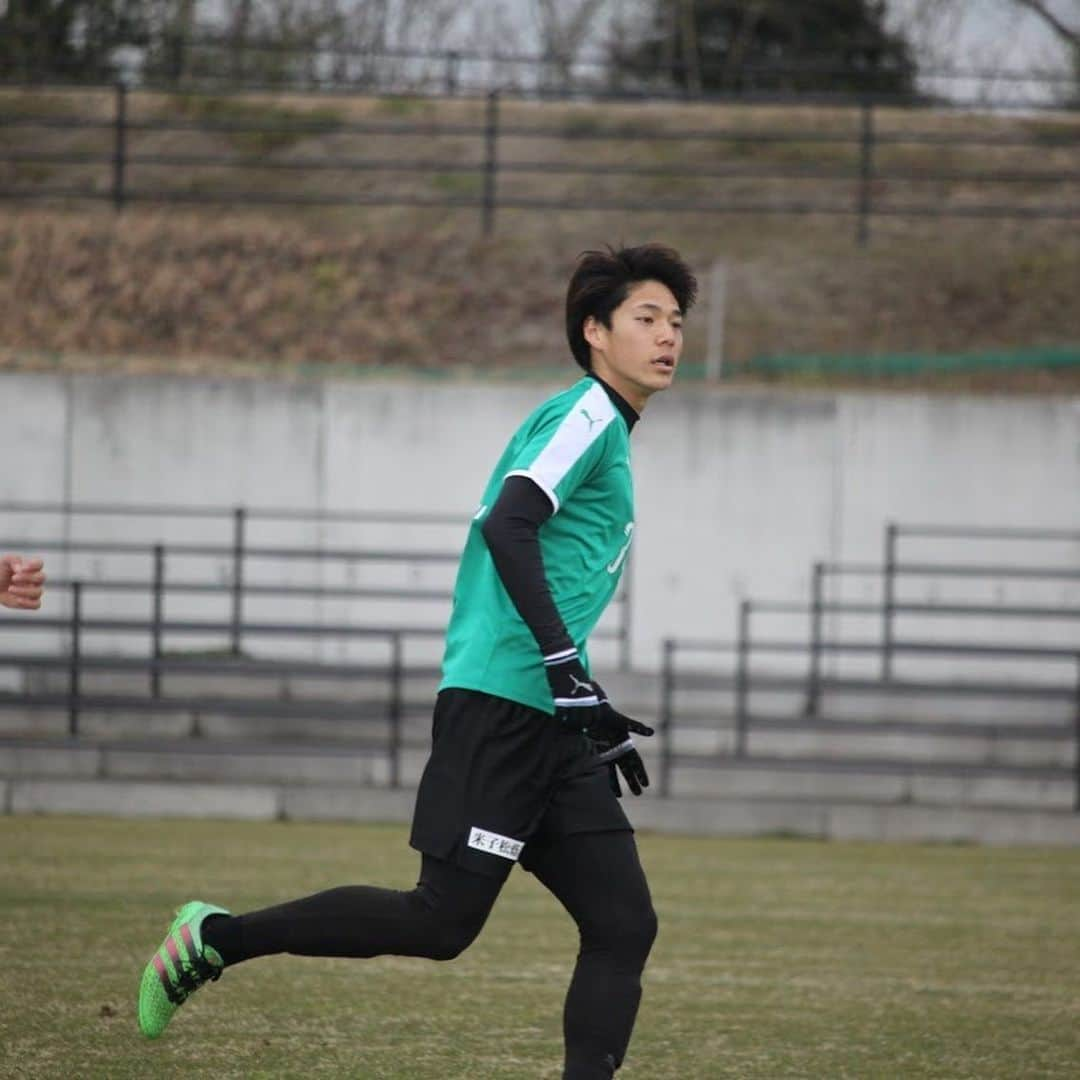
(576, 448)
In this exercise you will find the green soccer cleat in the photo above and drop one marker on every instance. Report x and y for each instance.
(179, 967)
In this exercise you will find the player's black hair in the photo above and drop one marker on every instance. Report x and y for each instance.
(602, 281)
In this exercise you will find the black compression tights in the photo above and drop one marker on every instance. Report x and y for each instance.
(596, 876)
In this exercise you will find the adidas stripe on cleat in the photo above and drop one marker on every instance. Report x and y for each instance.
(179, 967)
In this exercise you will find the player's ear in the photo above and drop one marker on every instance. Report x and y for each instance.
(593, 332)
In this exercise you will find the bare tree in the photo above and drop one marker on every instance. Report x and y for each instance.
(935, 26)
(563, 28)
(238, 14)
(1069, 32)
(183, 26)
(402, 27)
(338, 40)
(688, 36)
(937, 17)
(736, 56)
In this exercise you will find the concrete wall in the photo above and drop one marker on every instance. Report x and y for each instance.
(738, 491)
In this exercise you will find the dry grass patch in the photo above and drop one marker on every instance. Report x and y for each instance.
(365, 287)
(362, 290)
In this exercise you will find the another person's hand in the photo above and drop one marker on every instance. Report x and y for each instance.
(21, 582)
(581, 704)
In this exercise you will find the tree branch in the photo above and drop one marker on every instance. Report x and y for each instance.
(1069, 34)
(744, 35)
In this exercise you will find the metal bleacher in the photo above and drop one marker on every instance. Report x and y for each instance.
(189, 632)
(965, 690)
(297, 653)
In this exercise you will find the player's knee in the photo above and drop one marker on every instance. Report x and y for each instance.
(451, 937)
(628, 933)
(640, 933)
(448, 943)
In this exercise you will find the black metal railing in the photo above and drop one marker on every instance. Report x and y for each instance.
(384, 714)
(744, 680)
(376, 724)
(228, 642)
(727, 668)
(236, 551)
(858, 159)
(239, 588)
(893, 567)
(742, 667)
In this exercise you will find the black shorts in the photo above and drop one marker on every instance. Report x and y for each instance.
(503, 776)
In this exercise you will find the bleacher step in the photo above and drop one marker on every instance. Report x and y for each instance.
(879, 781)
(1047, 745)
(817, 819)
(330, 762)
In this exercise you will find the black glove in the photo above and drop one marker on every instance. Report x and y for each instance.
(623, 756)
(581, 704)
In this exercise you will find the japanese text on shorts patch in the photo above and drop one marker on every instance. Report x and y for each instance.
(494, 844)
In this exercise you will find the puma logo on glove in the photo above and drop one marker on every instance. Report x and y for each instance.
(581, 704)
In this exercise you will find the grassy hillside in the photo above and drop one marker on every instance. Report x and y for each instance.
(237, 288)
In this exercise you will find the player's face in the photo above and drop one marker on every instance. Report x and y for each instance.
(638, 355)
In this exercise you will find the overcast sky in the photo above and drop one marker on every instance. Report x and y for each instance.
(987, 35)
(990, 33)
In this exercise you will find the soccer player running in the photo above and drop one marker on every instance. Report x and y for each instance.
(526, 748)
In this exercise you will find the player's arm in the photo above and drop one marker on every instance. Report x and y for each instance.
(512, 533)
(21, 582)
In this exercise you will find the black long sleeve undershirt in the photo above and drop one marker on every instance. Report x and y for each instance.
(512, 533)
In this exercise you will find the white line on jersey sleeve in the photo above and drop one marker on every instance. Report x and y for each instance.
(581, 427)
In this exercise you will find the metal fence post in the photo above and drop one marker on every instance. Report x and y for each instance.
(866, 170)
(120, 147)
(394, 708)
(813, 680)
(75, 659)
(742, 679)
(156, 618)
(667, 712)
(453, 61)
(888, 600)
(491, 165)
(175, 47)
(239, 522)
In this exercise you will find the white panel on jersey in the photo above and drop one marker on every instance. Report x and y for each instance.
(581, 427)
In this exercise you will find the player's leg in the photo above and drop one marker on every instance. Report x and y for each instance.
(437, 919)
(599, 880)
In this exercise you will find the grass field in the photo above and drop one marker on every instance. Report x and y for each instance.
(776, 958)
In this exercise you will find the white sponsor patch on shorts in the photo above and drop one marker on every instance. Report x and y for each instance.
(494, 844)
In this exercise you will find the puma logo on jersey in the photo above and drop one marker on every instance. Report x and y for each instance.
(585, 413)
(579, 685)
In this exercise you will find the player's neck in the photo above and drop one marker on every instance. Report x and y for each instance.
(629, 413)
